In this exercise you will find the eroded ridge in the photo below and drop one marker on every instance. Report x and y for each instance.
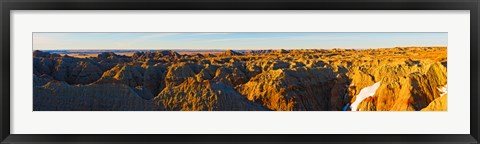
(383, 79)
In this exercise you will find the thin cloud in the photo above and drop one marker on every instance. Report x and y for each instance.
(205, 34)
(284, 38)
(234, 40)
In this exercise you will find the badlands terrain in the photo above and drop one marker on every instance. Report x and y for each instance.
(383, 79)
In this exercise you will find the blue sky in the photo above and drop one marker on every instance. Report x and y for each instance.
(248, 40)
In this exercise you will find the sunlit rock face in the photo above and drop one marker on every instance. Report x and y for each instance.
(193, 95)
(409, 87)
(439, 104)
(385, 79)
(291, 89)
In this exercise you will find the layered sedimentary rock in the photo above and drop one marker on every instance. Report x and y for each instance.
(407, 87)
(131, 75)
(73, 70)
(307, 80)
(231, 53)
(291, 89)
(60, 96)
(439, 104)
(203, 95)
(177, 73)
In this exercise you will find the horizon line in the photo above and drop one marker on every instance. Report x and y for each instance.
(93, 49)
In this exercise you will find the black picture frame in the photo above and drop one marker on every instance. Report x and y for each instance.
(8, 5)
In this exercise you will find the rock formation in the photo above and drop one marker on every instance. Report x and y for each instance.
(60, 96)
(193, 95)
(409, 79)
(231, 53)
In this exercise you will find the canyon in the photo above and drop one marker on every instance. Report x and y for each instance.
(380, 79)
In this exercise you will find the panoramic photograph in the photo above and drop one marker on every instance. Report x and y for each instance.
(239, 71)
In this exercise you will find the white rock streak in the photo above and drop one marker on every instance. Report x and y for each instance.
(443, 90)
(364, 93)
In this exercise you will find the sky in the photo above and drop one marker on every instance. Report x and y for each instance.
(235, 41)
